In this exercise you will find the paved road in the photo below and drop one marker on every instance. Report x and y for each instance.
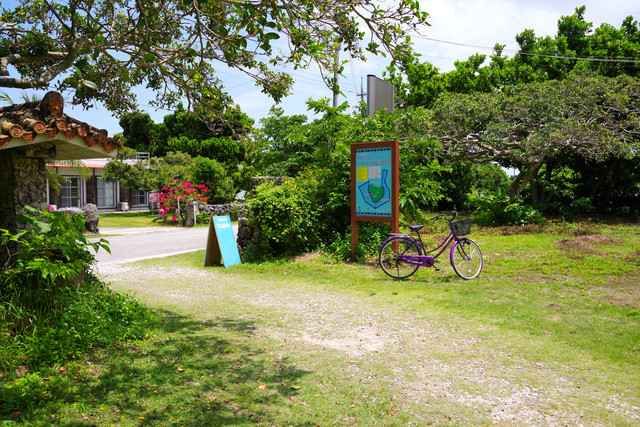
(129, 245)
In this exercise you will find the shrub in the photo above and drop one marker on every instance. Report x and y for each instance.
(285, 221)
(176, 196)
(371, 237)
(500, 209)
(88, 317)
(213, 174)
(92, 316)
(303, 213)
(51, 306)
(49, 253)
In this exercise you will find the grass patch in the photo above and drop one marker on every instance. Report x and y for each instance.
(195, 373)
(129, 220)
(134, 220)
(536, 313)
(531, 287)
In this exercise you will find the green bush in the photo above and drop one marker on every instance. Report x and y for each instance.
(224, 150)
(49, 253)
(51, 306)
(285, 221)
(92, 316)
(303, 213)
(89, 317)
(371, 237)
(213, 174)
(500, 209)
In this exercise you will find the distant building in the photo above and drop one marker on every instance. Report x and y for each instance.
(83, 183)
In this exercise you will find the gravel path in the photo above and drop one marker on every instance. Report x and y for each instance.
(432, 365)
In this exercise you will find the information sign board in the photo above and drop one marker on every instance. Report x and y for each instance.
(375, 186)
(221, 245)
(374, 167)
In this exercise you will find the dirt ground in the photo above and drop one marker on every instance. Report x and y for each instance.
(432, 365)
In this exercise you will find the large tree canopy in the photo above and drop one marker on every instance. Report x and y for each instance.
(100, 49)
(591, 118)
(607, 50)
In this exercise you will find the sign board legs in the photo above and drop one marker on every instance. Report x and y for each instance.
(213, 255)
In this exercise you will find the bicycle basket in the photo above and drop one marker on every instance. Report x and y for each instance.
(461, 228)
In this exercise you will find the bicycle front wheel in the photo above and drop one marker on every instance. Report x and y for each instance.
(390, 259)
(466, 259)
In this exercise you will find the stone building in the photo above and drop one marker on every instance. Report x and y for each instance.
(32, 134)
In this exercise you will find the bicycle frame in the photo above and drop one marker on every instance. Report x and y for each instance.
(426, 260)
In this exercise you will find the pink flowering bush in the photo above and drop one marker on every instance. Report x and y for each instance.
(176, 196)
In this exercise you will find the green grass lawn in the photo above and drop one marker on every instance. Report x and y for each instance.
(129, 220)
(134, 220)
(549, 334)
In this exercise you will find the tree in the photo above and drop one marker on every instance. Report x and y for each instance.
(527, 126)
(538, 59)
(100, 50)
(137, 129)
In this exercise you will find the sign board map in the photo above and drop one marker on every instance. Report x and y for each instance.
(373, 182)
(375, 186)
(221, 245)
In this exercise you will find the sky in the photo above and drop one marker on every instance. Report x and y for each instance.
(478, 22)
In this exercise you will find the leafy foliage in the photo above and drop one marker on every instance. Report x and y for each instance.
(49, 253)
(176, 196)
(224, 150)
(101, 50)
(538, 59)
(286, 220)
(500, 209)
(51, 307)
(586, 117)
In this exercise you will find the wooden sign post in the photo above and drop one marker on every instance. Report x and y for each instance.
(375, 186)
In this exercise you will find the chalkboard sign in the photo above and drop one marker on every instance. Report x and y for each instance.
(221, 244)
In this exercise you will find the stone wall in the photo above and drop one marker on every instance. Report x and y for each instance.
(31, 180)
(23, 181)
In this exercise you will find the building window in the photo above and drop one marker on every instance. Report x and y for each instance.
(106, 193)
(70, 192)
(139, 198)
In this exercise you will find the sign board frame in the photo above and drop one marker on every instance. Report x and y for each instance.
(222, 248)
(394, 218)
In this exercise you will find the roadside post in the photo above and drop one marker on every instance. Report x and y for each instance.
(375, 186)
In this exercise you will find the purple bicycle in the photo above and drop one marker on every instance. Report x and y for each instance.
(401, 255)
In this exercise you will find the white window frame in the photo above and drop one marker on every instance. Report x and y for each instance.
(134, 198)
(114, 200)
(79, 197)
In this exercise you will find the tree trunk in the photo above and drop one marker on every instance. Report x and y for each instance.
(526, 175)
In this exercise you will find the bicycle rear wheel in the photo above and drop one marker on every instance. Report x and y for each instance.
(390, 261)
(466, 259)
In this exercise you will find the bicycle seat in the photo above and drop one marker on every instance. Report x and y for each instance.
(416, 227)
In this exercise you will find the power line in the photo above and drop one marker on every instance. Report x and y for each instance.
(624, 60)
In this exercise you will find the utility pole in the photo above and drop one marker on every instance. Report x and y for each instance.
(362, 92)
(362, 95)
(336, 64)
